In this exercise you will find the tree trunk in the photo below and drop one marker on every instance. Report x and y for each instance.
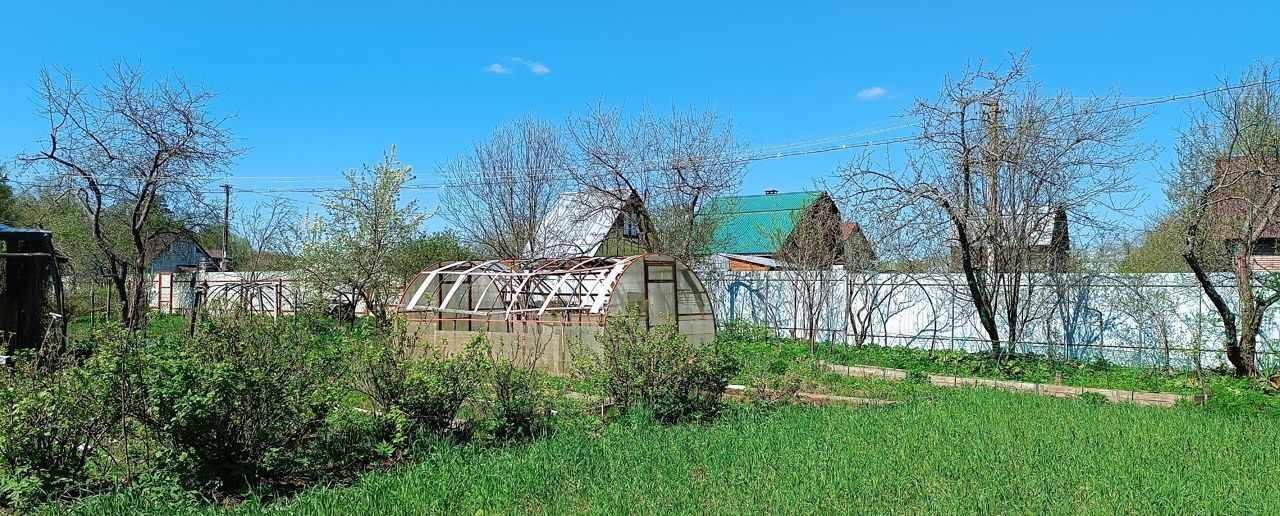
(137, 303)
(121, 282)
(980, 300)
(1242, 361)
(1243, 355)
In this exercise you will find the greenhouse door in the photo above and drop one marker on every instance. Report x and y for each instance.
(660, 291)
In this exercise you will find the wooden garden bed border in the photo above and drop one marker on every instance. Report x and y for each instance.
(740, 392)
(1155, 399)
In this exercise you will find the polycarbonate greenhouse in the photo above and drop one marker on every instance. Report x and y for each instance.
(539, 308)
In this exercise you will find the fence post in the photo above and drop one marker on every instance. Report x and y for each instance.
(951, 323)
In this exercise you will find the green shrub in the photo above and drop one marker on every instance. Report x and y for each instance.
(520, 405)
(426, 385)
(241, 401)
(353, 438)
(1242, 397)
(741, 330)
(58, 414)
(769, 392)
(659, 369)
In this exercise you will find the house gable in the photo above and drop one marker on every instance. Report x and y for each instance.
(586, 224)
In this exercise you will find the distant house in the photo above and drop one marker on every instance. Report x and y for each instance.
(858, 251)
(1241, 190)
(755, 232)
(587, 224)
(182, 253)
(30, 287)
(1041, 241)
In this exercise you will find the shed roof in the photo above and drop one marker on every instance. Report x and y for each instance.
(757, 224)
(11, 233)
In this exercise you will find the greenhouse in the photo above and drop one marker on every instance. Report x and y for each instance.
(538, 309)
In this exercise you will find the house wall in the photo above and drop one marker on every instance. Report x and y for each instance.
(818, 229)
(741, 266)
(181, 252)
(615, 243)
(1265, 263)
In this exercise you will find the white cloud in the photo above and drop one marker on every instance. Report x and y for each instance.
(538, 68)
(534, 67)
(497, 68)
(872, 93)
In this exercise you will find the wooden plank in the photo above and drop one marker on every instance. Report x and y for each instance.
(866, 371)
(1061, 391)
(740, 391)
(1155, 399)
(943, 381)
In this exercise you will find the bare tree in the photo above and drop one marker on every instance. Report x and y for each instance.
(665, 169)
(1228, 188)
(347, 251)
(497, 194)
(995, 167)
(265, 230)
(138, 156)
(807, 254)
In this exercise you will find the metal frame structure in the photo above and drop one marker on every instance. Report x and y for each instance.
(577, 286)
(557, 303)
(522, 296)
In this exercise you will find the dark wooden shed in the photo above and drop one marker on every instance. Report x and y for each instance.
(30, 288)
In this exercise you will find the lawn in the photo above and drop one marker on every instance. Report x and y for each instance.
(965, 451)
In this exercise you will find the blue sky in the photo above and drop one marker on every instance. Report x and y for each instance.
(322, 87)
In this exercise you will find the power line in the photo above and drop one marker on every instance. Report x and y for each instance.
(764, 153)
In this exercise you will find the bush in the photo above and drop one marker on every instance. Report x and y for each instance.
(520, 406)
(58, 413)
(353, 438)
(1242, 397)
(659, 369)
(427, 386)
(241, 401)
(741, 330)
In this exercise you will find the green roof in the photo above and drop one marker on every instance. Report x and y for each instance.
(757, 224)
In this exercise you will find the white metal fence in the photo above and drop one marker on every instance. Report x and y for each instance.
(272, 292)
(1135, 319)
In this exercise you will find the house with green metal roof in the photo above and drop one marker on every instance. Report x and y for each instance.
(753, 231)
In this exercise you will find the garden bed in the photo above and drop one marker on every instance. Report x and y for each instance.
(744, 392)
(1158, 399)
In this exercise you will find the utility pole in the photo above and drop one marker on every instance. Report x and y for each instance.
(226, 227)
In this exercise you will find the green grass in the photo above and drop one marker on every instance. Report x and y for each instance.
(957, 452)
(157, 325)
(1030, 368)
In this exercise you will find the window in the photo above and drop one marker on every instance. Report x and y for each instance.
(630, 225)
